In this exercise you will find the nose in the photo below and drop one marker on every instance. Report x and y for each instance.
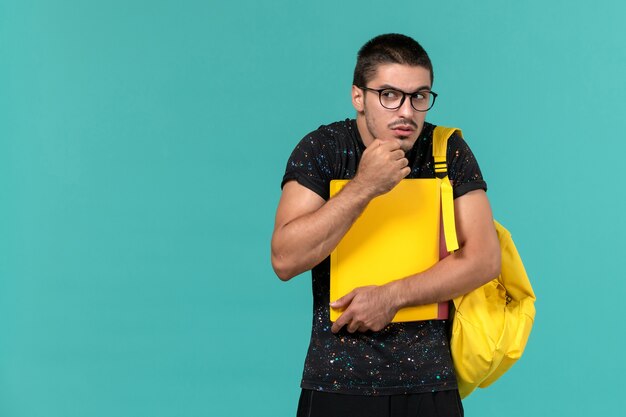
(406, 110)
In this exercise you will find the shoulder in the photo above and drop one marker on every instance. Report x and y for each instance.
(459, 149)
(456, 143)
(330, 140)
(463, 168)
(319, 156)
(337, 133)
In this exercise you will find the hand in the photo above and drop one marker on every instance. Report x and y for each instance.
(383, 165)
(365, 308)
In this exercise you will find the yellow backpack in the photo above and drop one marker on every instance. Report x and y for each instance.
(491, 324)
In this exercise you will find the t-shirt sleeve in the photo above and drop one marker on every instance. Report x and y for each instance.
(310, 164)
(463, 168)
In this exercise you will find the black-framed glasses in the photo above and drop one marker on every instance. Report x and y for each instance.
(392, 99)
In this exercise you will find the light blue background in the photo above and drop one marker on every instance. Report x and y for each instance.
(142, 144)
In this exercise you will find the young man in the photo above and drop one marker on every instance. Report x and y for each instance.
(363, 365)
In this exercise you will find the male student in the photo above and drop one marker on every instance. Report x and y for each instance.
(362, 365)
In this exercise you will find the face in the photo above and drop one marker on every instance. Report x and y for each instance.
(376, 122)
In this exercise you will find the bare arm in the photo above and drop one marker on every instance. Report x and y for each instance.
(475, 263)
(307, 228)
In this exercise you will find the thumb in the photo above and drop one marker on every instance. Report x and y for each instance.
(344, 301)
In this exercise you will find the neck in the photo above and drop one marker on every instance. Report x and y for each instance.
(361, 124)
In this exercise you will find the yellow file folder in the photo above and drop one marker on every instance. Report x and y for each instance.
(397, 235)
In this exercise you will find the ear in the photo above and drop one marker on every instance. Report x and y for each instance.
(358, 99)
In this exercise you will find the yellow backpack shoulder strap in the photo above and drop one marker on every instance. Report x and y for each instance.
(441, 135)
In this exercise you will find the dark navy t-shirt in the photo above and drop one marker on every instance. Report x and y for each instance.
(411, 357)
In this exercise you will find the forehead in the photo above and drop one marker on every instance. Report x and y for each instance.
(401, 76)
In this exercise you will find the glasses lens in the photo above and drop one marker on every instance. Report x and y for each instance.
(391, 99)
(422, 100)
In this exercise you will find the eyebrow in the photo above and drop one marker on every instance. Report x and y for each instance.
(422, 88)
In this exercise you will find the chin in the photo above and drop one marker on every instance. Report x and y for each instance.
(407, 142)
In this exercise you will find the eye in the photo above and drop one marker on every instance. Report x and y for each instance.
(390, 94)
(421, 95)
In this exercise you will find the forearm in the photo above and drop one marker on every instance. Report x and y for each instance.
(372, 308)
(476, 263)
(305, 241)
(453, 276)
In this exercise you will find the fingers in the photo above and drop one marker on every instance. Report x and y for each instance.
(340, 322)
(385, 146)
(364, 309)
(352, 325)
(387, 152)
(349, 318)
(398, 155)
(344, 301)
(341, 304)
(388, 144)
(386, 157)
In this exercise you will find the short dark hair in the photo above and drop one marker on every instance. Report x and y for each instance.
(391, 48)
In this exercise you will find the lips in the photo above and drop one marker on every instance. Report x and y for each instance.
(406, 128)
(402, 127)
(403, 130)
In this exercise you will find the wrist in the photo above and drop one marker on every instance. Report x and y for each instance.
(362, 189)
(397, 294)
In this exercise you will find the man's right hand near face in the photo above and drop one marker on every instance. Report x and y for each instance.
(383, 165)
